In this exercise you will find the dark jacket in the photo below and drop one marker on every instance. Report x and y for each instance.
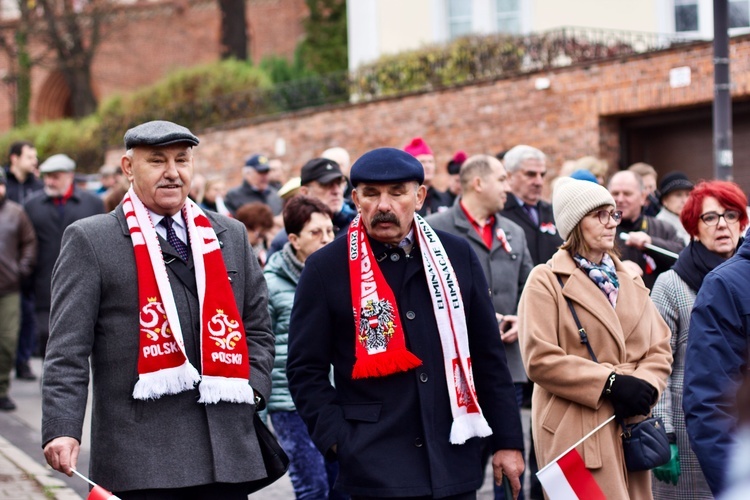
(392, 433)
(543, 240)
(49, 226)
(173, 441)
(662, 234)
(435, 201)
(506, 272)
(17, 246)
(245, 193)
(715, 363)
(21, 191)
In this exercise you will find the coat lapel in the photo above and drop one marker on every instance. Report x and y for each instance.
(585, 295)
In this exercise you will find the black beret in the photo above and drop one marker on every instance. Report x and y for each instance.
(386, 165)
(158, 133)
(674, 181)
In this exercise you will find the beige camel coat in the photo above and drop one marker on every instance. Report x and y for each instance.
(630, 339)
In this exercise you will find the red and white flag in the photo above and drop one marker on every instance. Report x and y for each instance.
(568, 479)
(99, 493)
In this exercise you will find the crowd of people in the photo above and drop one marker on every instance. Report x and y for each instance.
(391, 331)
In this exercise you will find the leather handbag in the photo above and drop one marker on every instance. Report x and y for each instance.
(275, 459)
(645, 443)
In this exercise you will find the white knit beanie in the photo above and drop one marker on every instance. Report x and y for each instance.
(573, 199)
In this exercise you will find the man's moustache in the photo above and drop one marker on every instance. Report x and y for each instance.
(386, 217)
(175, 183)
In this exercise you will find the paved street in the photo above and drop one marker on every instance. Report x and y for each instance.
(25, 475)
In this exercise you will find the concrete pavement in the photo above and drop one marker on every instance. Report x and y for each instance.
(24, 473)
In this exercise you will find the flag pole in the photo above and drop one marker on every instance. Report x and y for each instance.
(663, 251)
(584, 438)
(92, 483)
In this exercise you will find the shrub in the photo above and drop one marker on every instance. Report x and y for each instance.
(79, 139)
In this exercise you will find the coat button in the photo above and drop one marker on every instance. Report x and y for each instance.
(410, 315)
(395, 257)
(513, 257)
(423, 377)
(418, 442)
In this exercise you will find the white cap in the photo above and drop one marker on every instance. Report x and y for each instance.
(57, 163)
(573, 199)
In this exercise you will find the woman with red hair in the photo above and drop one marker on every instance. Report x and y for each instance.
(715, 218)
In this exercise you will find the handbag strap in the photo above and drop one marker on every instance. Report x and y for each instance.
(581, 329)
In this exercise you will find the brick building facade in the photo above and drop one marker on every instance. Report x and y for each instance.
(623, 110)
(147, 40)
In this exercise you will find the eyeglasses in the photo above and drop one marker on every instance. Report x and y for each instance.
(318, 233)
(712, 218)
(605, 215)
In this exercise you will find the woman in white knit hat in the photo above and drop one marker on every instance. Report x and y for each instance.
(575, 393)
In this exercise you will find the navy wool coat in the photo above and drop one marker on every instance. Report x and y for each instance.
(392, 433)
(173, 441)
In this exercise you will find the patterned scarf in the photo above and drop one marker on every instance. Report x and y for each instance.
(163, 366)
(604, 275)
(381, 343)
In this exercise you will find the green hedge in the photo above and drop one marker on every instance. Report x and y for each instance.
(78, 139)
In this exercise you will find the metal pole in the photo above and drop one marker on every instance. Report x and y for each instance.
(723, 159)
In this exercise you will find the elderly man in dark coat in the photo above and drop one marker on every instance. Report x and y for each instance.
(51, 211)
(170, 305)
(423, 373)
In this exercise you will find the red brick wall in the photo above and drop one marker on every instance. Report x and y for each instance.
(578, 115)
(154, 39)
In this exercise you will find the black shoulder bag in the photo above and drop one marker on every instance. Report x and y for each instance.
(274, 458)
(645, 444)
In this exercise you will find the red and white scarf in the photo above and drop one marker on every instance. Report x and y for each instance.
(163, 366)
(381, 343)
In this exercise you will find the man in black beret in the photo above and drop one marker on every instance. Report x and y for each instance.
(416, 377)
(170, 307)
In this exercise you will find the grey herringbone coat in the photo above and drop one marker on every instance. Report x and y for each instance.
(674, 300)
(173, 441)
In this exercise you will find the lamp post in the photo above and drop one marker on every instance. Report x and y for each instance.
(722, 110)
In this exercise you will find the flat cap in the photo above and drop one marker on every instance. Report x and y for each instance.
(57, 163)
(158, 133)
(259, 162)
(322, 170)
(386, 165)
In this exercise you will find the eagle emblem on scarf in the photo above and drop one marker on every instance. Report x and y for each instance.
(376, 325)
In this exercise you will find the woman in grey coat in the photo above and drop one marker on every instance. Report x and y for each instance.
(715, 217)
(308, 223)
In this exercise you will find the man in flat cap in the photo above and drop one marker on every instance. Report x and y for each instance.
(59, 205)
(170, 306)
(255, 186)
(403, 314)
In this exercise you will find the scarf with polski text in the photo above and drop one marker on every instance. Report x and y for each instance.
(163, 366)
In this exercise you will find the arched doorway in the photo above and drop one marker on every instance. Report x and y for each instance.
(53, 101)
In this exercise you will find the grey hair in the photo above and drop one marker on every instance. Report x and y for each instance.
(515, 157)
(129, 153)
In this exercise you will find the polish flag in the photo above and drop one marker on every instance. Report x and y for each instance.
(99, 493)
(567, 478)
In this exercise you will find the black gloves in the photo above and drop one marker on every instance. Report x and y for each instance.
(630, 396)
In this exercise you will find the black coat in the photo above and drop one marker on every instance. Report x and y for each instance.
(49, 226)
(392, 433)
(542, 243)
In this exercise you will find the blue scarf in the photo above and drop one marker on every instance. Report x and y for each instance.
(603, 275)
